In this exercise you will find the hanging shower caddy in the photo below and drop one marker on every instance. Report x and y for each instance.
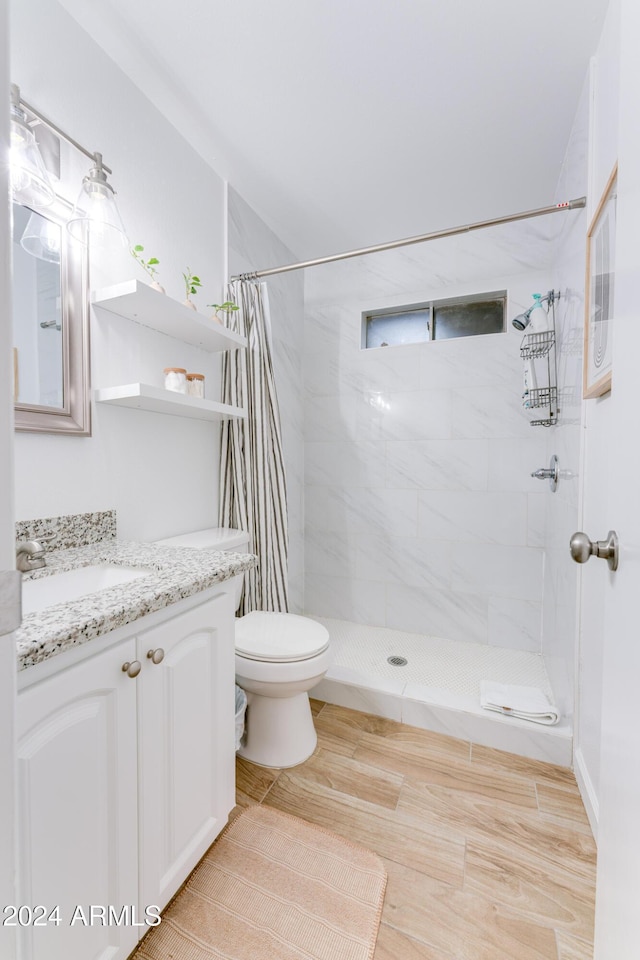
(542, 347)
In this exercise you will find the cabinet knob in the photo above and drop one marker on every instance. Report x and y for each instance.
(132, 669)
(156, 656)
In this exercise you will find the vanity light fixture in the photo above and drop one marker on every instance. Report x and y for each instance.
(30, 183)
(95, 217)
(41, 238)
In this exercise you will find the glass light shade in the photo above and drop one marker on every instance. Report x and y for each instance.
(96, 218)
(41, 238)
(30, 182)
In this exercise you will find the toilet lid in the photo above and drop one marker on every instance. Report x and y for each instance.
(279, 637)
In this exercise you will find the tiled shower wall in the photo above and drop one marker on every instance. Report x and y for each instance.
(420, 511)
(252, 246)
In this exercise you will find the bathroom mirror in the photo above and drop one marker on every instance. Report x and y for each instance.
(50, 324)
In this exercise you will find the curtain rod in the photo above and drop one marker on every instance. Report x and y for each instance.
(451, 232)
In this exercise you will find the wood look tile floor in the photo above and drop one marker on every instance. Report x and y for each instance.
(489, 855)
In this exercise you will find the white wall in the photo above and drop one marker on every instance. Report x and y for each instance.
(159, 472)
(7, 535)
(252, 246)
(421, 514)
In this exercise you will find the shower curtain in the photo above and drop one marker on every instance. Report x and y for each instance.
(252, 476)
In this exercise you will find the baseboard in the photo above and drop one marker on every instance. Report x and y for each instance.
(587, 791)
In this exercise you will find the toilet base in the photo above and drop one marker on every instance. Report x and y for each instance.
(279, 731)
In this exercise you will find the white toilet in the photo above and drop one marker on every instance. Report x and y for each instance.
(279, 658)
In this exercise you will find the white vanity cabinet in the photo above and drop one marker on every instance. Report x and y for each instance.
(124, 781)
(186, 707)
(77, 806)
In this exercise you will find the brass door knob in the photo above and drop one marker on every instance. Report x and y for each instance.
(156, 656)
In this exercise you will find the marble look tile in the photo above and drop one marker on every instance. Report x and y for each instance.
(441, 613)
(473, 517)
(344, 464)
(359, 697)
(471, 362)
(412, 561)
(537, 504)
(444, 464)
(489, 412)
(360, 600)
(495, 570)
(330, 553)
(511, 462)
(417, 415)
(377, 511)
(331, 418)
(448, 715)
(388, 369)
(515, 624)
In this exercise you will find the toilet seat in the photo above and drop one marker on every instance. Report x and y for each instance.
(279, 637)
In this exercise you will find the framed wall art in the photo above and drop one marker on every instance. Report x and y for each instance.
(600, 293)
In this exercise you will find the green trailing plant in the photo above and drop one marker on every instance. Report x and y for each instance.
(191, 282)
(227, 307)
(149, 266)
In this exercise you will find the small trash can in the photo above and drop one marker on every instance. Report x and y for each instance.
(241, 707)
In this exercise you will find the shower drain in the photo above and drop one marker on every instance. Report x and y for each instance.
(396, 661)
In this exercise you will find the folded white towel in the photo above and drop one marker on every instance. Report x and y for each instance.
(528, 703)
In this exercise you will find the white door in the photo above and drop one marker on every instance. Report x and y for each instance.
(77, 802)
(618, 884)
(187, 749)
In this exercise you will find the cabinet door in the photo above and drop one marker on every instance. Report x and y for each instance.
(187, 751)
(77, 809)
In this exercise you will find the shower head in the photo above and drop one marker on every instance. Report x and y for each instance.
(522, 320)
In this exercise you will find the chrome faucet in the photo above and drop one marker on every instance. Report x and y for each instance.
(30, 555)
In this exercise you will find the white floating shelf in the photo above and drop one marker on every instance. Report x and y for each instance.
(140, 302)
(143, 396)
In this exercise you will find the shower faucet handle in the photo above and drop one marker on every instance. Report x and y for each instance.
(550, 473)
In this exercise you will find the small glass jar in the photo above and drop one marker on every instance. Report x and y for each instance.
(195, 385)
(175, 378)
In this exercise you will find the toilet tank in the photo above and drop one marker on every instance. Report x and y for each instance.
(225, 539)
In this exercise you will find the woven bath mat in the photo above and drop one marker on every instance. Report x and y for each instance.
(273, 887)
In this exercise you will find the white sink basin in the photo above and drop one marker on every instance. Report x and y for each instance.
(73, 584)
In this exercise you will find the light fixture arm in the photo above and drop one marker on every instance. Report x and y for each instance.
(21, 104)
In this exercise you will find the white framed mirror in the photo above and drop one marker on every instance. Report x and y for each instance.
(50, 323)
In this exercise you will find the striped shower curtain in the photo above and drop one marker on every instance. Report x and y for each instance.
(252, 477)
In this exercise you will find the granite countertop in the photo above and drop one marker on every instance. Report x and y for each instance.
(174, 574)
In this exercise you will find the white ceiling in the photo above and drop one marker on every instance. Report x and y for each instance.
(346, 123)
